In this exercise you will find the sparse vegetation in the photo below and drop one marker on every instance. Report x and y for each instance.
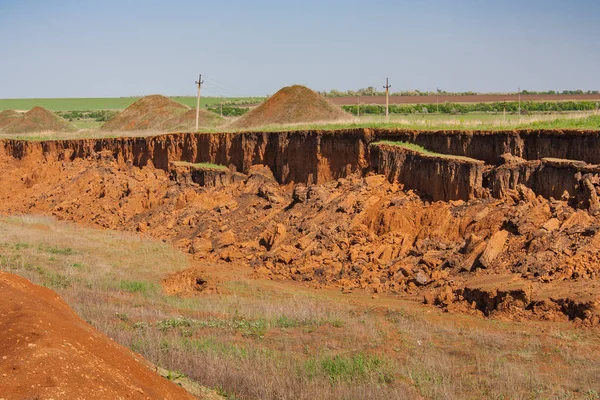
(420, 149)
(257, 342)
(201, 165)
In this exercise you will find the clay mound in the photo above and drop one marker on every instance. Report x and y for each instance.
(187, 121)
(49, 352)
(38, 119)
(291, 105)
(7, 117)
(148, 113)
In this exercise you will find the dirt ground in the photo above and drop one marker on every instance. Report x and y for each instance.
(488, 284)
(49, 352)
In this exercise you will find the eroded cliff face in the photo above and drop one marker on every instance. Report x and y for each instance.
(319, 156)
(440, 178)
(345, 216)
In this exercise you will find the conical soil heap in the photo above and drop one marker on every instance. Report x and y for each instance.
(187, 121)
(48, 352)
(39, 119)
(7, 117)
(157, 112)
(292, 105)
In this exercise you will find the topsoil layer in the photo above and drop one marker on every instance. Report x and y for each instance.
(291, 105)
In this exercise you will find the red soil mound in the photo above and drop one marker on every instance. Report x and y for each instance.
(292, 105)
(38, 119)
(157, 112)
(49, 352)
(187, 121)
(7, 117)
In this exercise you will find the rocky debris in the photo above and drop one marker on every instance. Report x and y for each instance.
(273, 236)
(356, 233)
(224, 239)
(44, 342)
(300, 194)
(493, 248)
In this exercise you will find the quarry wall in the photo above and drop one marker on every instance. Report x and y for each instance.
(318, 156)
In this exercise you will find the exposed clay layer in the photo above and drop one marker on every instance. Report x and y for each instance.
(439, 177)
(356, 232)
(319, 156)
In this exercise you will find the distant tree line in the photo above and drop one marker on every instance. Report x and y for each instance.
(463, 108)
(371, 91)
(228, 111)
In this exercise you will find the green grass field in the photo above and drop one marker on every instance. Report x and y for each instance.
(112, 103)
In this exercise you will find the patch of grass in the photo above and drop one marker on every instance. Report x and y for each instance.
(64, 251)
(201, 165)
(351, 368)
(422, 150)
(255, 341)
(142, 287)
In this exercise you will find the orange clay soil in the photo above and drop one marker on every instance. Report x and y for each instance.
(47, 352)
(291, 105)
(351, 233)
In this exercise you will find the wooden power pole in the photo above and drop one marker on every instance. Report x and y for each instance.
(519, 90)
(387, 100)
(199, 82)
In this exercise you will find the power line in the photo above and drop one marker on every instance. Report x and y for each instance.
(199, 82)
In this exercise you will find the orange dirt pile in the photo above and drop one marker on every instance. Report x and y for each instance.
(38, 119)
(187, 121)
(157, 112)
(354, 233)
(49, 352)
(291, 105)
(7, 117)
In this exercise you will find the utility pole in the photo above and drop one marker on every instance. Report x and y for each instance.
(387, 100)
(358, 106)
(199, 82)
(519, 91)
(437, 100)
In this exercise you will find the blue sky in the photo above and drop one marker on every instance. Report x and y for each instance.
(121, 48)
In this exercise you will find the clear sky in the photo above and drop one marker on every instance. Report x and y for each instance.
(108, 48)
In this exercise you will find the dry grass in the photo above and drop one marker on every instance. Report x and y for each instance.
(258, 343)
(577, 120)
